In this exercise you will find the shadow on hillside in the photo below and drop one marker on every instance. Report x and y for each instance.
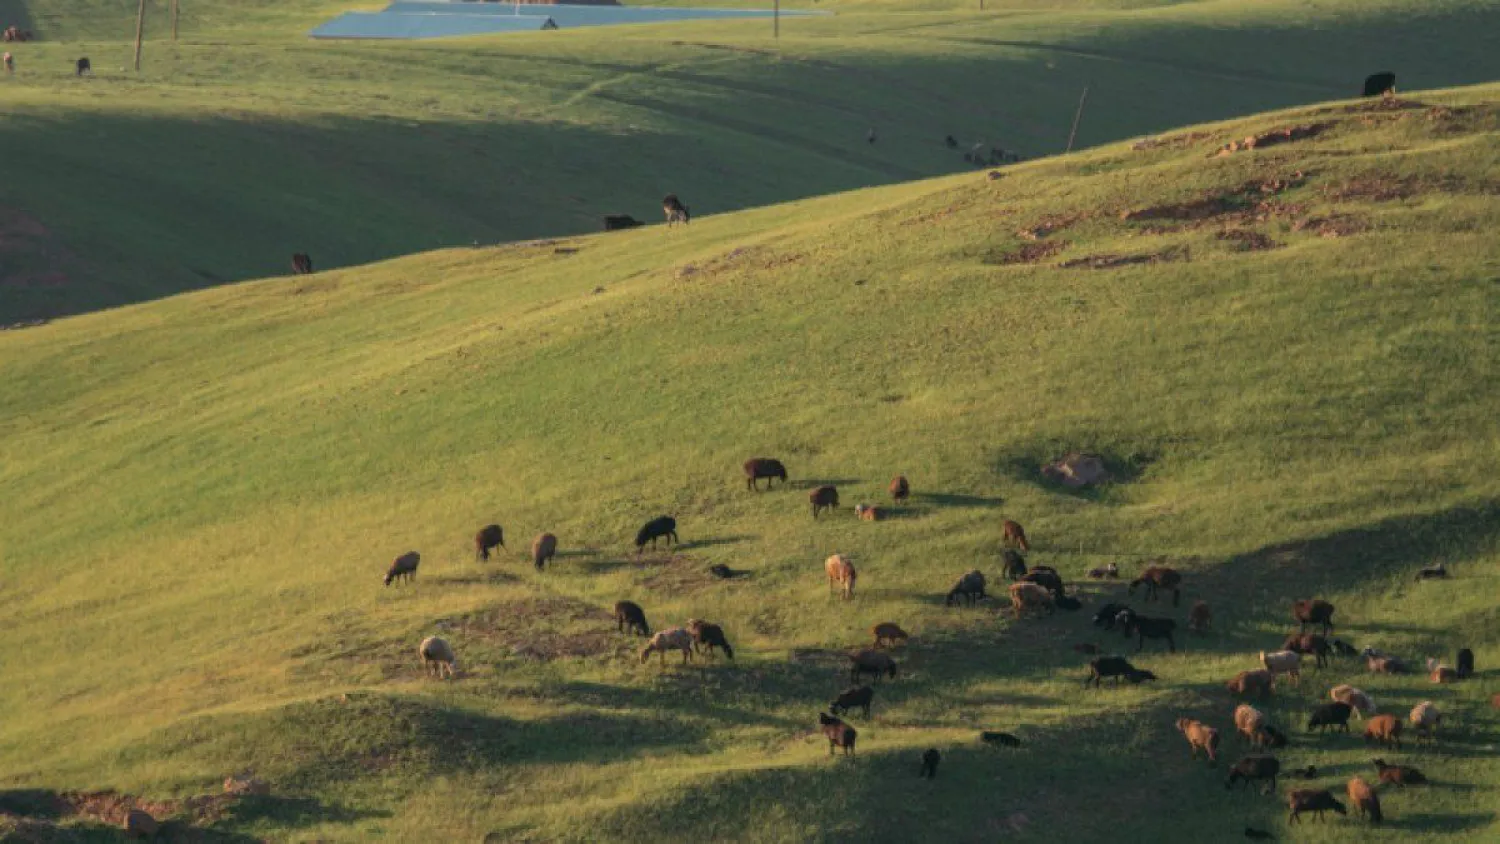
(53, 807)
(293, 812)
(956, 499)
(713, 542)
(814, 484)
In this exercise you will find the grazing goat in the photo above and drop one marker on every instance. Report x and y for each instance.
(1157, 578)
(1116, 667)
(841, 573)
(1344, 693)
(629, 614)
(1313, 612)
(1254, 768)
(658, 528)
(1435, 572)
(888, 632)
(301, 264)
(543, 548)
(870, 662)
(618, 222)
(1363, 798)
(1200, 617)
(403, 567)
(1283, 662)
(1259, 683)
(1012, 532)
(1045, 577)
(1151, 628)
(823, 498)
(674, 209)
(1398, 775)
(763, 467)
(1002, 739)
(1425, 719)
(859, 696)
(1465, 664)
(969, 587)
(1312, 800)
(1015, 565)
(488, 538)
(930, 759)
(671, 639)
(900, 490)
(1110, 571)
(1029, 597)
(437, 657)
(709, 636)
(1327, 715)
(1109, 614)
(1200, 736)
(839, 734)
(1308, 644)
(1384, 729)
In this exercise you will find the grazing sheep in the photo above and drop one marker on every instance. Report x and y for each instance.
(888, 632)
(930, 759)
(1465, 664)
(1151, 628)
(867, 513)
(1283, 662)
(1363, 798)
(1399, 775)
(301, 264)
(543, 548)
(674, 209)
(1012, 533)
(859, 696)
(1110, 571)
(140, 824)
(1002, 739)
(1157, 578)
(1067, 602)
(839, 734)
(969, 587)
(1249, 722)
(1200, 617)
(1254, 768)
(709, 636)
(1327, 715)
(1200, 736)
(1363, 704)
(1308, 644)
(841, 573)
(1116, 667)
(1313, 612)
(1109, 614)
(672, 639)
(870, 662)
(1029, 597)
(900, 491)
(1258, 683)
(823, 498)
(1436, 572)
(488, 537)
(403, 567)
(1385, 665)
(763, 467)
(629, 614)
(658, 528)
(1015, 565)
(1343, 648)
(1045, 577)
(1316, 801)
(1425, 719)
(437, 657)
(1384, 729)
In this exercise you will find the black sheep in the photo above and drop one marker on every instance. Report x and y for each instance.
(657, 528)
(1015, 564)
(1316, 801)
(930, 760)
(629, 614)
(969, 587)
(763, 467)
(404, 566)
(859, 696)
(1343, 648)
(1465, 664)
(1313, 612)
(1327, 715)
(1116, 667)
(1107, 614)
(1377, 84)
(839, 734)
(1002, 739)
(674, 209)
(1254, 768)
(1151, 628)
(1045, 577)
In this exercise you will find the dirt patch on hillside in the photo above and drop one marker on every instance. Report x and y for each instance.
(1051, 224)
(1248, 200)
(35, 815)
(1172, 142)
(740, 258)
(680, 573)
(528, 628)
(1245, 240)
(1333, 225)
(1383, 188)
(1030, 253)
(1109, 262)
(1275, 137)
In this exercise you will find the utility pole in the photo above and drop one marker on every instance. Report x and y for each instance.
(1077, 116)
(776, 21)
(140, 29)
(174, 19)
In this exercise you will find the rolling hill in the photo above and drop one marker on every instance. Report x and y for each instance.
(1285, 354)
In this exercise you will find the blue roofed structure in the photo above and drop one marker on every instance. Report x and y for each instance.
(387, 25)
(414, 19)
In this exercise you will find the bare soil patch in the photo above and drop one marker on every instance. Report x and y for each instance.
(1248, 200)
(527, 628)
(1333, 225)
(1171, 142)
(1051, 224)
(1030, 253)
(1275, 137)
(679, 573)
(1245, 240)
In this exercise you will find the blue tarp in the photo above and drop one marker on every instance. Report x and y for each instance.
(388, 25)
(438, 18)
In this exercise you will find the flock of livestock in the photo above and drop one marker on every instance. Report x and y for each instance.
(1041, 590)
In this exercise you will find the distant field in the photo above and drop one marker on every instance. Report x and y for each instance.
(1290, 369)
(244, 142)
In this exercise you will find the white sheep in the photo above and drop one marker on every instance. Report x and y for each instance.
(674, 639)
(1425, 719)
(1283, 662)
(437, 656)
(1344, 693)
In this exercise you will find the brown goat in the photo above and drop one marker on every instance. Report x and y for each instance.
(823, 498)
(1363, 798)
(900, 489)
(1200, 617)
(1259, 683)
(1157, 578)
(1316, 801)
(1385, 729)
(1012, 533)
(543, 548)
(838, 733)
(1200, 736)
(841, 572)
(888, 632)
(1313, 612)
(867, 513)
(1399, 775)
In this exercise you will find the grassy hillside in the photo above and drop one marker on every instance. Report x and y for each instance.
(244, 142)
(1295, 385)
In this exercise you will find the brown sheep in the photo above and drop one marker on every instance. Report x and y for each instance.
(1313, 612)
(1029, 596)
(301, 262)
(1158, 578)
(900, 489)
(763, 467)
(1258, 683)
(1384, 729)
(403, 567)
(543, 548)
(1316, 801)
(867, 513)
(870, 662)
(823, 498)
(1444, 674)
(1200, 617)
(841, 573)
(1200, 736)
(888, 632)
(1012, 532)
(838, 733)
(1425, 719)
(488, 538)
(672, 639)
(1308, 644)
(708, 636)
(1363, 798)
(1248, 722)
(1399, 775)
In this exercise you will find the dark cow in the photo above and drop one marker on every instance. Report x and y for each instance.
(1378, 84)
(616, 222)
(674, 209)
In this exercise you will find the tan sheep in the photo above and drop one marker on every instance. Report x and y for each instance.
(1344, 693)
(841, 573)
(1028, 597)
(672, 639)
(1200, 736)
(1259, 683)
(437, 657)
(1384, 729)
(1283, 662)
(1425, 719)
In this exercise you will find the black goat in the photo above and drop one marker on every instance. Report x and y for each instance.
(1151, 628)
(1254, 768)
(1015, 564)
(629, 614)
(859, 696)
(657, 528)
(1327, 715)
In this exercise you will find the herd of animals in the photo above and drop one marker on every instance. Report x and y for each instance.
(1040, 590)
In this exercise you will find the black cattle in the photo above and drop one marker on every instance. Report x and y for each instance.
(1377, 84)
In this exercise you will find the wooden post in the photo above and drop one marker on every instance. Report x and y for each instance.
(140, 29)
(776, 21)
(1077, 116)
(174, 19)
